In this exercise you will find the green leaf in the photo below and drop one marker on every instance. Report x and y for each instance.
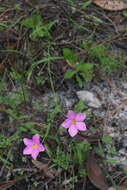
(48, 150)
(86, 4)
(22, 129)
(36, 20)
(84, 66)
(49, 25)
(87, 76)
(69, 74)
(86, 44)
(125, 13)
(79, 107)
(3, 25)
(106, 139)
(70, 56)
(42, 31)
(111, 150)
(80, 150)
(98, 51)
(80, 81)
(32, 22)
(28, 22)
(37, 33)
(98, 20)
(29, 124)
(112, 161)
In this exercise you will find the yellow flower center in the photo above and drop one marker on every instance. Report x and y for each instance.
(73, 122)
(35, 146)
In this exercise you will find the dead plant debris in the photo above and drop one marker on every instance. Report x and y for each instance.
(95, 173)
(112, 5)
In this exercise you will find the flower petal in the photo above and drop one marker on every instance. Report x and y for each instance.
(66, 123)
(41, 148)
(27, 150)
(36, 139)
(80, 116)
(27, 141)
(35, 154)
(72, 131)
(81, 126)
(71, 115)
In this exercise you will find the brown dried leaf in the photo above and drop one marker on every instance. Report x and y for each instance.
(43, 167)
(95, 173)
(112, 5)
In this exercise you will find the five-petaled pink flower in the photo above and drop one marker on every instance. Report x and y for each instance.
(74, 122)
(33, 146)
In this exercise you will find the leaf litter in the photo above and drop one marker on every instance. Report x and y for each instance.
(112, 5)
(95, 173)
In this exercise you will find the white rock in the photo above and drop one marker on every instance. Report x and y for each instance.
(124, 84)
(122, 151)
(111, 188)
(89, 98)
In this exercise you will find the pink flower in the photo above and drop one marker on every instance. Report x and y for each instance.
(33, 146)
(74, 122)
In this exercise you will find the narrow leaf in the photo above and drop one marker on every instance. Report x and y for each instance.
(84, 66)
(69, 74)
(70, 56)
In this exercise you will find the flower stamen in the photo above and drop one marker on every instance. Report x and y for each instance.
(73, 122)
(35, 146)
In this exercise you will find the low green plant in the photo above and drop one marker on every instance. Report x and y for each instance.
(101, 57)
(71, 182)
(80, 152)
(52, 114)
(82, 71)
(98, 57)
(38, 30)
(16, 76)
(75, 156)
(106, 139)
(62, 159)
(6, 142)
(110, 149)
(15, 98)
(79, 106)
